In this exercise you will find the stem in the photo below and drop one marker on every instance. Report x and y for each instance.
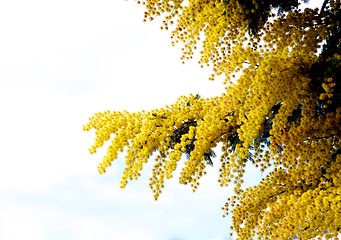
(323, 6)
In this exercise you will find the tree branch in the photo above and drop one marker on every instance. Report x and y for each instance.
(323, 6)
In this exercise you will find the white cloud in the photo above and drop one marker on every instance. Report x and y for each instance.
(88, 206)
(45, 220)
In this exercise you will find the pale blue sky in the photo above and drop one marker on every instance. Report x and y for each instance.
(61, 61)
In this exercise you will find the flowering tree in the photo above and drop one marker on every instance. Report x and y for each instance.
(282, 114)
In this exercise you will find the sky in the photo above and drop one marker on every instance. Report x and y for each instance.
(60, 62)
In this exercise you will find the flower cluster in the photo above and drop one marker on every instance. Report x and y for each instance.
(283, 114)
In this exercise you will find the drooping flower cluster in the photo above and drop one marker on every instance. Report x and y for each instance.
(283, 114)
